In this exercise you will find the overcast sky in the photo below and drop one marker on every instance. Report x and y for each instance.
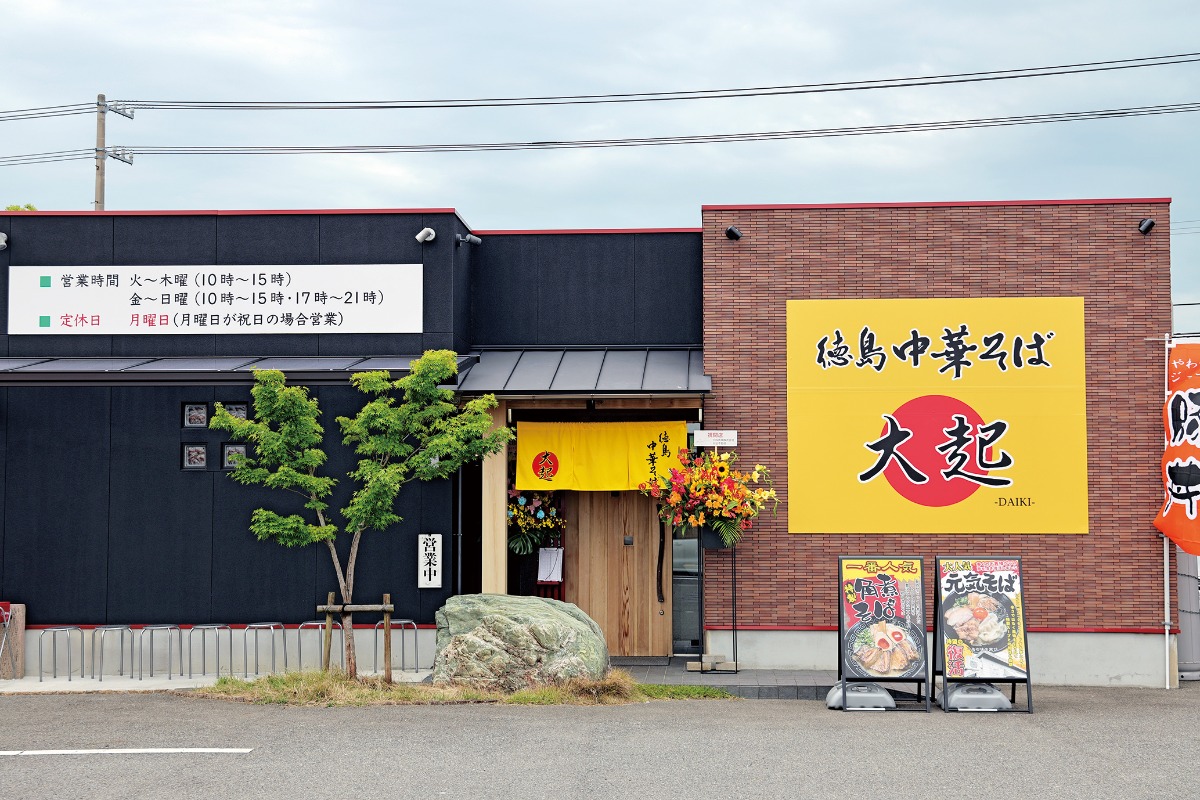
(68, 52)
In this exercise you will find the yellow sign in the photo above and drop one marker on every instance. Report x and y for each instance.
(597, 456)
(937, 416)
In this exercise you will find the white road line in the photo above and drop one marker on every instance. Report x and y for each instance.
(127, 751)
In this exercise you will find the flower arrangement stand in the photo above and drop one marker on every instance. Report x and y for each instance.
(709, 661)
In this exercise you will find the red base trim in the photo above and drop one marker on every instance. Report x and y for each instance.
(235, 626)
(1148, 631)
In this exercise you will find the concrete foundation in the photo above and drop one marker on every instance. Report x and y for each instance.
(251, 653)
(1055, 659)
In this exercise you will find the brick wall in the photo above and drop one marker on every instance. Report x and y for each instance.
(1110, 578)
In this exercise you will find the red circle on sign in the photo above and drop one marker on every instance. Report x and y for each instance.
(545, 465)
(928, 417)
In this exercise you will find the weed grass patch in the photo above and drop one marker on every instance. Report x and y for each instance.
(333, 689)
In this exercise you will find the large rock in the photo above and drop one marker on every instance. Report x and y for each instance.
(507, 642)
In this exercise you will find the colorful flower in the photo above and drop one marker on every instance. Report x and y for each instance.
(711, 490)
(532, 518)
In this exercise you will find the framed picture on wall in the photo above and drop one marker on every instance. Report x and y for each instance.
(195, 456)
(237, 410)
(195, 415)
(230, 453)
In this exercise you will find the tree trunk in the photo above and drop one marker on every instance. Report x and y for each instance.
(348, 637)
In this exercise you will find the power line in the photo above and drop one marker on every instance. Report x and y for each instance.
(816, 133)
(638, 97)
(699, 94)
(47, 111)
(41, 158)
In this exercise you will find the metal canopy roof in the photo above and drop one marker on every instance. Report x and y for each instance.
(664, 370)
(193, 370)
(660, 370)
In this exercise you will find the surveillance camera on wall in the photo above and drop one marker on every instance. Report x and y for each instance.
(470, 238)
(426, 235)
(3, 240)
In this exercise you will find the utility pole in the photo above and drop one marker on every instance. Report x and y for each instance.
(102, 153)
(101, 156)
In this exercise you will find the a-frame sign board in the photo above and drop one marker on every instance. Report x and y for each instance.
(881, 624)
(979, 625)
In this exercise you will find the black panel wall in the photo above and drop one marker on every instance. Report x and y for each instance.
(56, 510)
(386, 239)
(103, 525)
(3, 486)
(587, 289)
(160, 516)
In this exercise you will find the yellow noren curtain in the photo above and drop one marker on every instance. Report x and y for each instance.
(596, 456)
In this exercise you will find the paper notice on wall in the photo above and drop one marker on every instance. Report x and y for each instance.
(550, 565)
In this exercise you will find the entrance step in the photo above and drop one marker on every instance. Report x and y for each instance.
(639, 661)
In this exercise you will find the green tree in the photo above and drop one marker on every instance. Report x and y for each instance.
(26, 207)
(408, 429)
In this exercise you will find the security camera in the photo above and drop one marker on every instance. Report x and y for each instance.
(470, 238)
(733, 233)
(3, 240)
(1145, 226)
(426, 235)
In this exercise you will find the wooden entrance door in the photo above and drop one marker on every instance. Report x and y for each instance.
(615, 583)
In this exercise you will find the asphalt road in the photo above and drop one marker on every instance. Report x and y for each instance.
(1080, 743)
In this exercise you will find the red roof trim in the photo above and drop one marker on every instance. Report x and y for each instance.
(588, 230)
(230, 213)
(951, 204)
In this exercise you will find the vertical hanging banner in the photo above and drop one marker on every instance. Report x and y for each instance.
(881, 627)
(981, 618)
(937, 416)
(1181, 458)
(597, 456)
(429, 561)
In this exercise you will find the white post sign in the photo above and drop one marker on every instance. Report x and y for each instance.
(309, 298)
(715, 438)
(429, 561)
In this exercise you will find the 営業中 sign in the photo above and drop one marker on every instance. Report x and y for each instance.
(429, 561)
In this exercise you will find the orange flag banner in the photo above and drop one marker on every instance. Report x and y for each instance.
(1181, 459)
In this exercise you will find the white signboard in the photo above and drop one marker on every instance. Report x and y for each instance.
(429, 561)
(715, 438)
(310, 298)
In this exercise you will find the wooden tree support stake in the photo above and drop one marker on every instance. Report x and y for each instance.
(328, 638)
(387, 638)
(330, 608)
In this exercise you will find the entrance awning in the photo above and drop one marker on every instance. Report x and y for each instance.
(613, 371)
(195, 370)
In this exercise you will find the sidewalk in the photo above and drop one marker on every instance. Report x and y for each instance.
(752, 684)
(159, 683)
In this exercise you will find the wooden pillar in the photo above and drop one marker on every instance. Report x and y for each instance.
(495, 513)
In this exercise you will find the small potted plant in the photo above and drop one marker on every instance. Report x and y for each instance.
(711, 492)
